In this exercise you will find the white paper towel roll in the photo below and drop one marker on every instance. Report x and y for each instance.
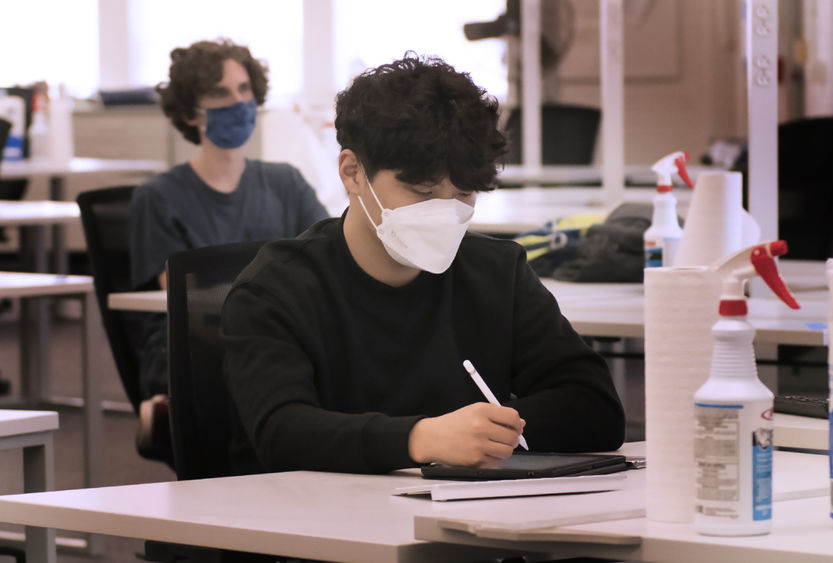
(680, 309)
(716, 224)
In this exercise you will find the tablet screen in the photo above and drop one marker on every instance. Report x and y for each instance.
(526, 465)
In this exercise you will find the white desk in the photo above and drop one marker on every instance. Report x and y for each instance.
(145, 301)
(30, 285)
(617, 310)
(512, 211)
(329, 516)
(635, 174)
(32, 431)
(58, 171)
(801, 534)
(801, 531)
(802, 432)
(19, 169)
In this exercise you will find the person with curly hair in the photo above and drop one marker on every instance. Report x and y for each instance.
(218, 197)
(344, 347)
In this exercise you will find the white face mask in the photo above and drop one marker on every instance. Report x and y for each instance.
(424, 235)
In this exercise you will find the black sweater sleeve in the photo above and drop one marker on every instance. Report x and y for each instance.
(564, 389)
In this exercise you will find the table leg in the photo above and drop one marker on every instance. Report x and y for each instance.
(39, 475)
(93, 339)
(34, 323)
(60, 261)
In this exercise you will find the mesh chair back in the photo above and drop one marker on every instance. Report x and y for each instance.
(104, 216)
(568, 134)
(200, 408)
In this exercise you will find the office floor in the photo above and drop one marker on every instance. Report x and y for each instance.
(121, 462)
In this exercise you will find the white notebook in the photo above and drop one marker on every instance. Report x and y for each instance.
(458, 490)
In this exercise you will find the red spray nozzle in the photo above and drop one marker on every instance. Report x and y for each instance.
(762, 259)
(679, 162)
(666, 166)
(756, 260)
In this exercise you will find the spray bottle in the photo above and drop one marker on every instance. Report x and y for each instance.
(733, 409)
(39, 129)
(663, 236)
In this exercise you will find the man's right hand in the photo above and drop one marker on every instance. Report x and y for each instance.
(478, 435)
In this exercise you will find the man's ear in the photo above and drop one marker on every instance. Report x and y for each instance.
(350, 171)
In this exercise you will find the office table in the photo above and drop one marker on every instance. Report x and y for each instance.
(587, 174)
(341, 517)
(615, 310)
(143, 301)
(32, 218)
(512, 211)
(58, 171)
(32, 431)
(32, 285)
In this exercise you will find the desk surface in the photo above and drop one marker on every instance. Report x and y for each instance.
(636, 174)
(35, 168)
(147, 301)
(29, 213)
(17, 422)
(790, 541)
(24, 284)
(512, 211)
(617, 310)
(329, 516)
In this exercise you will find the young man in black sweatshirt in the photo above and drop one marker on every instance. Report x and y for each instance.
(345, 346)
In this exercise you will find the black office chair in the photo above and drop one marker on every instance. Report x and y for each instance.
(805, 221)
(104, 216)
(200, 407)
(568, 134)
(805, 197)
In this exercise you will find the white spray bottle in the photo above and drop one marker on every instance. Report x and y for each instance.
(664, 234)
(733, 409)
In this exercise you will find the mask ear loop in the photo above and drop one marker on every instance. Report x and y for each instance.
(373, 192)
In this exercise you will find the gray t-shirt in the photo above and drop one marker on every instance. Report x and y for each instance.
(178, 211)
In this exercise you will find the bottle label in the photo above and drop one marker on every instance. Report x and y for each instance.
(653, 256)
(717, 459)
(762, 474)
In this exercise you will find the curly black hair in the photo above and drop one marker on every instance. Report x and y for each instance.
(195, 70)
(423, 119)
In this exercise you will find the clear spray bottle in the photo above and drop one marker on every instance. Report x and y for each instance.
(733, 409)
(663, 236)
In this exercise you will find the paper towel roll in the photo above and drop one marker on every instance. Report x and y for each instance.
(716, 224)
(680, 309)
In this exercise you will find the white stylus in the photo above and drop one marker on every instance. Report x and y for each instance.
(488, 393)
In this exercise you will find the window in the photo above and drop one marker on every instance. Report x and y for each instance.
(64, 47)
(373, 32)
(271, 30)
(51, 40)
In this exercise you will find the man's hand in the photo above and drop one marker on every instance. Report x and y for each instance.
(477, 435)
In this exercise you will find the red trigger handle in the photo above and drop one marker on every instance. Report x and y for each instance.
(764, 263)
(679, 162)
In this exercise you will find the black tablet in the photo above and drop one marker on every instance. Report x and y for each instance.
(527, 465)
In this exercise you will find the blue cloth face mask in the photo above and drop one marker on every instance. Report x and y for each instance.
(229, 127)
